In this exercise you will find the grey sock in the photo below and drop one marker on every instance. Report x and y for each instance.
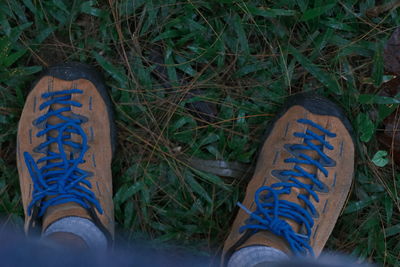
(84, 228)
(253, 255)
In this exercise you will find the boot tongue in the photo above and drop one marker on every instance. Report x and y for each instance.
(312, 169)
(56, 212)
(53, 120)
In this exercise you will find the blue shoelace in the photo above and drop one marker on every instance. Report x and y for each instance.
(271, 211)
(59, 179)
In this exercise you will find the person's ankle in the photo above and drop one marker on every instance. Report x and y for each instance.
(84, 229)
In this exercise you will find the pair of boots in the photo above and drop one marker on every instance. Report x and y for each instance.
(66, 140)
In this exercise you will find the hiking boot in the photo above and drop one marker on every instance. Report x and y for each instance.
(65, 144)
(302, 179)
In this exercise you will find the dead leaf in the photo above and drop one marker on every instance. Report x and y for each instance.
(391, 53)
(222, 168)
(376, 11)
(390, 137)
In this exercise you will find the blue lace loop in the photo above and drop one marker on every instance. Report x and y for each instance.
(59, 179)
(271, 212)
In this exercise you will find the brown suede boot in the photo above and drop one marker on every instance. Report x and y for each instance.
(64, 149)
(302, 179)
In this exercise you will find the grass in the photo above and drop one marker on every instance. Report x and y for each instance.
(245, 58)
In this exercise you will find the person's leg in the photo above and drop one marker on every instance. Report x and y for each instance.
(65, 145)
(303, 176)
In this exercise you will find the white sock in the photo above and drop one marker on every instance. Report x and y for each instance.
(84, 228)
(253, 255)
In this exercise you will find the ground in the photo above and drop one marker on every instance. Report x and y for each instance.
(199, 80)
